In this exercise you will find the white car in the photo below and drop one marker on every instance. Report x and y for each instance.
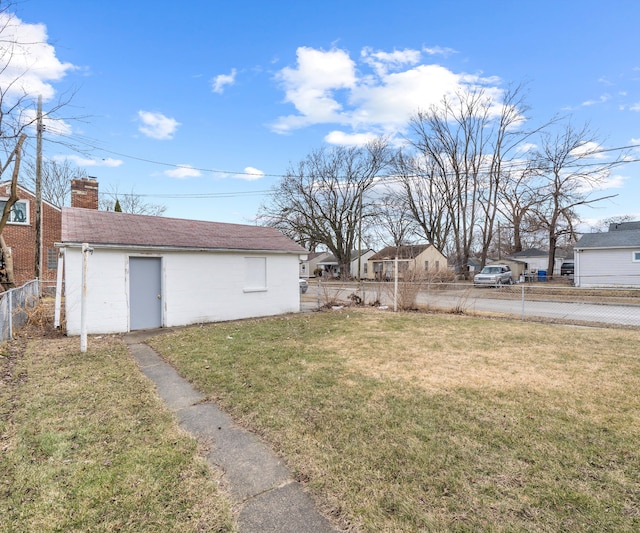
(493, 276)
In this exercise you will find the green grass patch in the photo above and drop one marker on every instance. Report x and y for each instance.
(414, 422)
(86, 445)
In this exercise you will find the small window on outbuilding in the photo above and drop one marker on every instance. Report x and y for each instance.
(636, 257)
(255, 274)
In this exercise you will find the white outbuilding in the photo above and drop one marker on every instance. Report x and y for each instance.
(144, 272)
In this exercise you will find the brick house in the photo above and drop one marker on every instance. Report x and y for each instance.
(20, 231)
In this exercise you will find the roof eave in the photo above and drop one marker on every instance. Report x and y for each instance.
(153, 248)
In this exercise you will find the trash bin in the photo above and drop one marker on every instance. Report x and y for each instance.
(542, 275)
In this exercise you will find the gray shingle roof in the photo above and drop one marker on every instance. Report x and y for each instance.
(531, 252)
(403, 252)
(111, 228)
(613, 239)
(624, 226)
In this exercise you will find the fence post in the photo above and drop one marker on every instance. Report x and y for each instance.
(522, 318)
(10, 312)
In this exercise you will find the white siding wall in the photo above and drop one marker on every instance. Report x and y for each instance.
(363, 261)
(196, 287)
(606, 268)
(210, 287)
(107, 291)
(536, 263)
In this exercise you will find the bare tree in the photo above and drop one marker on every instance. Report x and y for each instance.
(56, 180)
(322, 198)
(392, 223)
(571, 168)
(18, 109)
(453, 138)
(7, 279)
(129, 203)
(517, 198)
(605, 223)
(423, 195)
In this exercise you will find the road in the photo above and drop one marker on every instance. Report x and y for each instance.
(485, 300)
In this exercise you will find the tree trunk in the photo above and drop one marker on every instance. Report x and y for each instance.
(7, 279)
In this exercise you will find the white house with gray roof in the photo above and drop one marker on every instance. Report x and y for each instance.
(609, 259)
(146, 272)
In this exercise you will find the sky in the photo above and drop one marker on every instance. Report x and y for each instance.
(202, 105)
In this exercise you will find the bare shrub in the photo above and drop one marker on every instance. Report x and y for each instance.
(440, 276)
(462, 303)
(408, 289)
(40, 315)
(330, 294)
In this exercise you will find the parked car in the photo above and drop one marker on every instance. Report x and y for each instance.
(304, 285)
(567, 268)
(493, 276)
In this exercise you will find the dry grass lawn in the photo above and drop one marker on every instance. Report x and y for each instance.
(86, 445)
(416, 422)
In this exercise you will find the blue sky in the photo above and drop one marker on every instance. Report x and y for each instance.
(199, 105)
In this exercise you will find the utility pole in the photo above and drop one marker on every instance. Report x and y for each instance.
(38, 220)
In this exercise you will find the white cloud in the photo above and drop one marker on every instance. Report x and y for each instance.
(346, 139)
(613, 182)
(222, 80)
(85, 162)
(591, 150)
(635, 107)
(183, 172)
(378, 95)
(604, 98)
(438, 51)
(526, 147)
(382, 62)
(156, 125)
(28, 60)
(250, 174)
(311, 87)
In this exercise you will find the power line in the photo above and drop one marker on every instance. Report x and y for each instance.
(511, 165)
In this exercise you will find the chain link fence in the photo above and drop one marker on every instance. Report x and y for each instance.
(561, 303)
(13, 307)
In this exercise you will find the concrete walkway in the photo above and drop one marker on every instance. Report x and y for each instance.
(268, 498)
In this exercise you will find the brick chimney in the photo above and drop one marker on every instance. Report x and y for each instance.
(84, 193)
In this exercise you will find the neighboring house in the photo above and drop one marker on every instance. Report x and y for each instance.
(424, 257)
(147, 272)
(331, 267)
(474, 265)
(537, 260)
(20, 231)
(609, 259)
(309, 265)
(361, 259)
(534, 258)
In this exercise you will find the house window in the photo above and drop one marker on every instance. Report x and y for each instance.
(19, 212)
(52, 259)
(366, 268)
(636, 257)
(437, 265)
(255, 274)
(426, 265)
